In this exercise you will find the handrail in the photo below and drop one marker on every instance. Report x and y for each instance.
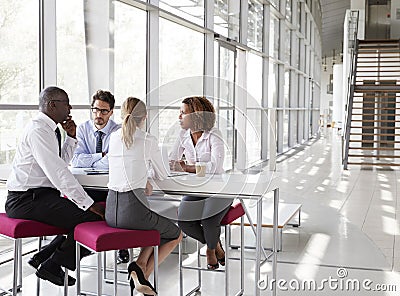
(353, 20)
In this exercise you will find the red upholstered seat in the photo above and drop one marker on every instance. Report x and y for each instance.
(236, 211)
(21, 228)
(100, 237)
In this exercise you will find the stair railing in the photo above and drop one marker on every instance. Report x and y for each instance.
(353, 46)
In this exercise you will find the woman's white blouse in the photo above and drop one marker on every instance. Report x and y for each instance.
(128, 167)
(209, 149)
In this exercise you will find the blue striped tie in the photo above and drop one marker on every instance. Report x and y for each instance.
(99, 142)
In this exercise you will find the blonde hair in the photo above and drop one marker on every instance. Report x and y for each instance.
(133, 111)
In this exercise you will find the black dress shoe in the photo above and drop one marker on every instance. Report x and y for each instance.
(57, 278)
(35, 262)
(123, 256)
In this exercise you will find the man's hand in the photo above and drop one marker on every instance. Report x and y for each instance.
(149, 189)
(69, 126)
(177, 165)
(97, 209)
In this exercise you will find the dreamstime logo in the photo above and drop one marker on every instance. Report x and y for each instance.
(228, 117)
(342, 283)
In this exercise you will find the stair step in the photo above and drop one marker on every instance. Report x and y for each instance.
(377, 127)
(374, 141)
(374, 120)
(377, 108)
(381, 66)
(380, 71)
(374, 134)
(373, 163)
(362, 51)
(375, 148)
(379, 58)
(373, 114)
(372, 156)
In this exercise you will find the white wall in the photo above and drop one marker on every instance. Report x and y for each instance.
(395, 19)
(325, 97)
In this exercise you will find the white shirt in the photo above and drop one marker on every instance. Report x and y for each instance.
(209, 149)
(85, 153)
(128, 167)
(37, 163)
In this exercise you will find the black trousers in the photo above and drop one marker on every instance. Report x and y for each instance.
(45, 205)
(97, 195)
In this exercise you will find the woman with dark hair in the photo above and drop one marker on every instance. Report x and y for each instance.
(130, 151)
(200, 217)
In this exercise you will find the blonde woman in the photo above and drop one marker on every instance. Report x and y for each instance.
(130, 151)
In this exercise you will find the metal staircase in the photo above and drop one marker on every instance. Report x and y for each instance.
(372, 134)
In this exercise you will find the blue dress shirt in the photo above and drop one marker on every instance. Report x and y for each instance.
(85, 155)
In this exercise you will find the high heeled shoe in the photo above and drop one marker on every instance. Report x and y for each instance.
(222, 259)
(138, 281)
(211, 265)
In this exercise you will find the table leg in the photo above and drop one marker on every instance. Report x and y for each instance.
(275, 239)
(258, 245)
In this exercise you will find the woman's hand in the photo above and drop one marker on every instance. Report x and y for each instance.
(149, 189)
(177, 165)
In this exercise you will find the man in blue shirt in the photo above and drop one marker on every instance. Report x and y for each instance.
(94, 135)
(93, 140)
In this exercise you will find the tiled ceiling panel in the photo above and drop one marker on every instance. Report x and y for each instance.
(333, 12)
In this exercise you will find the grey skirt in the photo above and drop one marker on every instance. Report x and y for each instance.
(130, 210)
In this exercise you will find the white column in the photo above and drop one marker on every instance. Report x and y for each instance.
(338, 100)
(241, 110)
(48, 43)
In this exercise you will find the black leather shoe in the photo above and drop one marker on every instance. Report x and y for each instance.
(55, 278)
(123, 256)
(35, 262)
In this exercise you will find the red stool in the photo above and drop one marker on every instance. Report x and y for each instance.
(16, 230)
(99, 237)
(236, 211)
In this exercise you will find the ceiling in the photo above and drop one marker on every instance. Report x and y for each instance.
(333, 12)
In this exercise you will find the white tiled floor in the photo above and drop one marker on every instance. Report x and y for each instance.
(349, 220)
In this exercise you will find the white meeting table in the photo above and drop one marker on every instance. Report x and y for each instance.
(238, 185)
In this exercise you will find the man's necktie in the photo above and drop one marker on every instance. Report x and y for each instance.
(58, 134)
(99, 142)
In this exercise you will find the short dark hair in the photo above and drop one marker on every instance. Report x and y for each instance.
(50, 93)
(105, 96)
(203, 116)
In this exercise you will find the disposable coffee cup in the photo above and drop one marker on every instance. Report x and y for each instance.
(200, 169)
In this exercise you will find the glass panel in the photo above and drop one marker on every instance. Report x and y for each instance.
(226, 18)
(192, 10)
(129, 52)
(19, 52)
(225, 125)
(287, 39)
(255, 25)
(72, 72)
(272, 85)
(227, 76)
(253, 136)
(289, 10)
(254, 80)
(180, 74)
(274, 37)
(286, 89)
(12, 125)
(285, 130)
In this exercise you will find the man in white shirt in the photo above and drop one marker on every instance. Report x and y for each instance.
(40, 179)
(93, 141)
